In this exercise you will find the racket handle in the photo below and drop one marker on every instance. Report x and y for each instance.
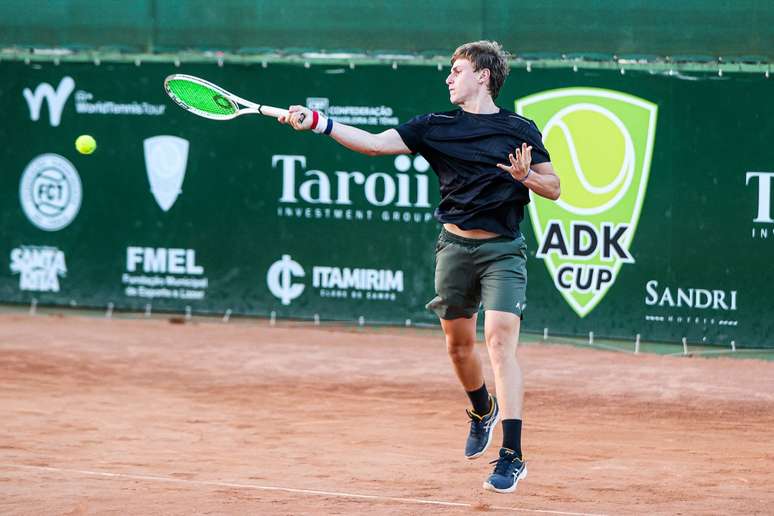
(273, 111)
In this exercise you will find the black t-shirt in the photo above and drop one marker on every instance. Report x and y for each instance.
(463, 149)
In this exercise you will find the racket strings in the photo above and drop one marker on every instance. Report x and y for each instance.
(201, 97)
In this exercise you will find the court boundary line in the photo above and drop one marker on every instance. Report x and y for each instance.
(238, 485)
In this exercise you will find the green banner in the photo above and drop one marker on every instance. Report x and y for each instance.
(664, 227)
(699, 28)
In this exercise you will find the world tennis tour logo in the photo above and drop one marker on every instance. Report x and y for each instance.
(85, 103)
(56, 99)
(50, 192)
(601, 142)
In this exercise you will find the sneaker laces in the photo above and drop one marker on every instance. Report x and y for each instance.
(476, 422)
(503, 464)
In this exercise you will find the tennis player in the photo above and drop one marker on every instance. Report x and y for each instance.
(487, 159)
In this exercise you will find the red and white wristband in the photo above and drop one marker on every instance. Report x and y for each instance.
(321, 124)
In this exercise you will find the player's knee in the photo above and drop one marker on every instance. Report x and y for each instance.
(501, 346)
(460, 349)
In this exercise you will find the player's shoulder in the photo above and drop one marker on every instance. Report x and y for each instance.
(518, 121)
(454, 113)
(438, 116)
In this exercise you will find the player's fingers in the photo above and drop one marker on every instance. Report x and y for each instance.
(513, 160)
(504, 167)
(294, 108)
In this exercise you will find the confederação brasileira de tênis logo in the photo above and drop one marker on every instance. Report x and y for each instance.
(601, 143)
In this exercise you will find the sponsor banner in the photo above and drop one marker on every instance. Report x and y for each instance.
(399, 196)
(602, 141)
(163, 273)
(50, 192)
(664, 226)
(687, 306)
(762, 223)
(85, 102)
(354, 115)
(287, 280)
(39, 267)
(166, 158)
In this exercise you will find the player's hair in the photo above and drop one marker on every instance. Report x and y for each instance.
(486, 54)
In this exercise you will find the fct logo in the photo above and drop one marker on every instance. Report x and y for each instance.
(50, 192)
(280, 279)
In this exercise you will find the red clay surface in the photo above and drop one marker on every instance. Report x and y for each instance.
(147, 417)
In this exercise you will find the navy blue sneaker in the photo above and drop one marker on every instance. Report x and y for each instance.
(508, 470)
(481, 429)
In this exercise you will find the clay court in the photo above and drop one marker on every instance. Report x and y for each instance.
(148, 417)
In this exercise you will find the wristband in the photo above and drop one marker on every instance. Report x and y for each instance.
(525, 177)
(329, 127)
(320, 123)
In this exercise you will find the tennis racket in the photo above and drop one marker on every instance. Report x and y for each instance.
(205, 99)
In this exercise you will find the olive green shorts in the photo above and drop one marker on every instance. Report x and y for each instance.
(472, 272)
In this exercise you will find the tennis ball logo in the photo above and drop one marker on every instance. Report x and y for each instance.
(591, 143)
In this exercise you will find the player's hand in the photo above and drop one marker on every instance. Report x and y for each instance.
(299, 118)
(520, 161)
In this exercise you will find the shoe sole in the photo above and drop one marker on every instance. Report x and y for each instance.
(488, 441)
(522, 475)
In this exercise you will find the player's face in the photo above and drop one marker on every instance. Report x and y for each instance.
(463, 82)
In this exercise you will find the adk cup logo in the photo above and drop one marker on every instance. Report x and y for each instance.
(50, 192)
(601, 141)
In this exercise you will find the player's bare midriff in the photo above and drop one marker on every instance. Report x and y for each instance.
(469, 233)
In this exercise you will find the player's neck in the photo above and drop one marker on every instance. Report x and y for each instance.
(481, 105)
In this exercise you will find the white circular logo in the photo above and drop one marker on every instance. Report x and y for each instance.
(279, 278)
(50, 192)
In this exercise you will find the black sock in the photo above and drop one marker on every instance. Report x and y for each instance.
(512, 435)
(480, 400)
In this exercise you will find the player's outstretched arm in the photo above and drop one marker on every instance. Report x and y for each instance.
(387, 142)
(540, 177)
(544, 181)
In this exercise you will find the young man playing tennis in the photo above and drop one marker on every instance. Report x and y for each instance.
(487, 159)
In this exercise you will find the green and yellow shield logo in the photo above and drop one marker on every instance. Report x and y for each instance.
(601, 143)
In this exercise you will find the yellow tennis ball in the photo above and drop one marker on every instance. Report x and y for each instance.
(85, 144)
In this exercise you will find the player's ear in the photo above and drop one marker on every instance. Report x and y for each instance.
(484, 77)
